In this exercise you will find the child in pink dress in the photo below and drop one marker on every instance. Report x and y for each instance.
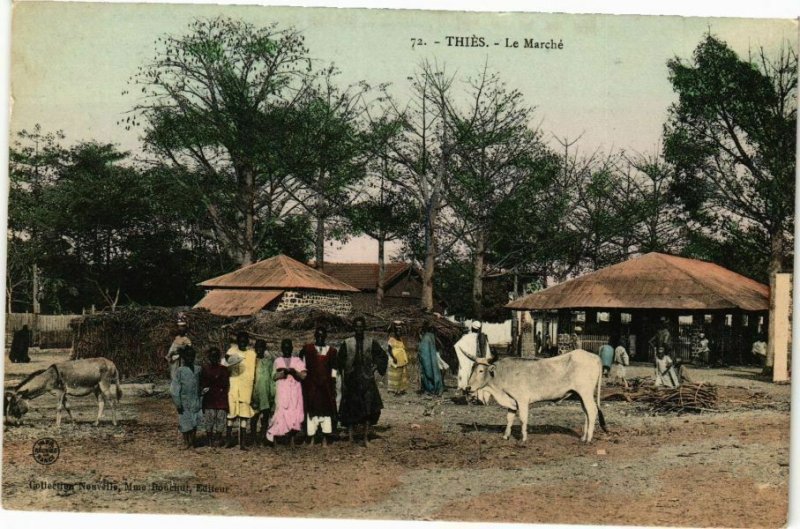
(289, 372)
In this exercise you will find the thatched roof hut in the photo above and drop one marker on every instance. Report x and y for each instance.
(653, 281)
(275, 284)
(630, 299)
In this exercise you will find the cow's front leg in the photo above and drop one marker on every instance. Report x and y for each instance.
(523, 417)
(510, 422)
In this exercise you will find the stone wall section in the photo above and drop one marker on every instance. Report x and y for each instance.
(336, 303)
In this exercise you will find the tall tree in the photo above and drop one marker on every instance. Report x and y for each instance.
(645, 206)
(494, 150)
(325, 153)
(100, 230)
(423, 154)
(213, 104)
(731, 137)
(382, 213)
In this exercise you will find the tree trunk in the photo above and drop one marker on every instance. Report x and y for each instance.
(477, 274)
(775, 265)
(248, 195)
(319, 243)
(430, 261)
(381, 272)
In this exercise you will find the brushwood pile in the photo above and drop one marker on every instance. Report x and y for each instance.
(137, 339)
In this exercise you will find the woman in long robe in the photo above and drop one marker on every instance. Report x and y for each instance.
(398, 362)
(429, 373)
(289, 372)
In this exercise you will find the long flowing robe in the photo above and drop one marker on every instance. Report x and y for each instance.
(398, 367)
(185, 392)
(215, 378)
(469, 348)
(242, 377)
(288, 414)
(430, 375)
(358, 361)
(607, 356)
(319, 386)
(264, 384)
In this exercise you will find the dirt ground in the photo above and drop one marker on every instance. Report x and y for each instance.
(431, 459)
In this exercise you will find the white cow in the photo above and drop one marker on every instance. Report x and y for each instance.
(516, 383)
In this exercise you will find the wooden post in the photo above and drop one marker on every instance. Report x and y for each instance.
(780, 328)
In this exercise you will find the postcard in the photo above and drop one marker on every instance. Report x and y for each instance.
(391, 264)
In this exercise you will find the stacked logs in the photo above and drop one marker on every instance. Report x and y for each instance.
(693, 398)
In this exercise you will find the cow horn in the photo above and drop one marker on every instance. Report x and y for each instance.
(482, 361)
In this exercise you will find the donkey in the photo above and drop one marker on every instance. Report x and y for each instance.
(73, 378)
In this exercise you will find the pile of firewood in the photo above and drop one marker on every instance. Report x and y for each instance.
(685, 398)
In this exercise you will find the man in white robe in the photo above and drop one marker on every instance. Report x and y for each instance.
(469, 348)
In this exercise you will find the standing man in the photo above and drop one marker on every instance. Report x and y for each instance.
(241, 361)
(469, 348)
(319, 386)
(359, 357)
(181, 340)
(20, 343)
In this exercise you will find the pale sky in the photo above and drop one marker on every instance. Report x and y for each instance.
(70, 63)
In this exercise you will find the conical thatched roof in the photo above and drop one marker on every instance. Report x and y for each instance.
(278, 273)
(653, 281)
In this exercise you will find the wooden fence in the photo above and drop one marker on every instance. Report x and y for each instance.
(49, 330)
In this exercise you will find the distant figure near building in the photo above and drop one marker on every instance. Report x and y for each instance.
(621, 360)
(20, 343)
(575, 340)
(665, 370)
(759, 349)
(607, 357)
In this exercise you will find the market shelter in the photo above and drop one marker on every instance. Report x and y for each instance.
(628, 300)
(278, 283)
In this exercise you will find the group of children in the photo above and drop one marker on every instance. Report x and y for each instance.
(277, 396)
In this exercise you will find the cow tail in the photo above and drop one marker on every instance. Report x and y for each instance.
(599, 409)
(116, 381)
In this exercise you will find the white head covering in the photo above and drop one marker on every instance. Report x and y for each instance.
(476, 325)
